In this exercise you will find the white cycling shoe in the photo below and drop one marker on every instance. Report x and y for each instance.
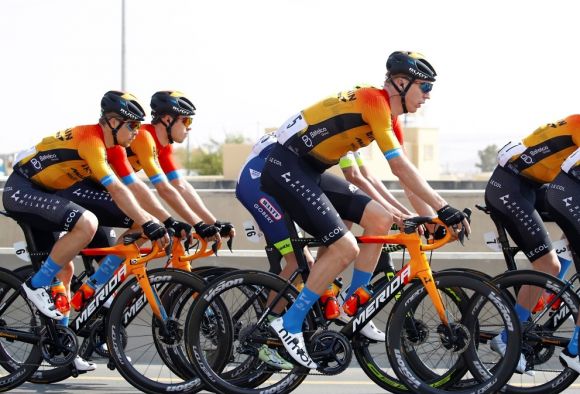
(498, 346)
(369, 330)
(42, 301)
(294, 344)
(570, 361)
(83, 365)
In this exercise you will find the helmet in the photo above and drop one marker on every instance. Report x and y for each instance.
(412, 64)
(171, 103)
(123, 104)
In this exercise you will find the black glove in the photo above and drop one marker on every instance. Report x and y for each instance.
(205, 230)
(450, 215)
(225, 228)
(153, 231)
(177, 226)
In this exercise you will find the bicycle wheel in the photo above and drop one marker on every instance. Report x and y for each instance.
(418, 343)
(372, 356)
(18, 359)
(133, 332)
(545, 334)
(243, 293)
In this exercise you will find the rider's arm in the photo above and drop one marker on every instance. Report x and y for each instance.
(192, 199)
(127, 202)
(168, 193)
(147, 199)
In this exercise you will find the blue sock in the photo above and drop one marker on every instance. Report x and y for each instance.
(359, 279)
(573, 345)
(564, 266)
(295, 316)
(64, 321)
(523, 315)
(46, 274)
(106, 269)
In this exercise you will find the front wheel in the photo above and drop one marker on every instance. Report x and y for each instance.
(415, 336)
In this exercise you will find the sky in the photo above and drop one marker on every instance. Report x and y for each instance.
(505, 67)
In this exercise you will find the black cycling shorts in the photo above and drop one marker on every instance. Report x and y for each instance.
(60, 210)
(317, 202)
(513, 200)
(563, 204)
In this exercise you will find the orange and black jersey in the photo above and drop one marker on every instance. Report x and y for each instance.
(540, 155)
(68, 157)
(350, 120)
(147, 153)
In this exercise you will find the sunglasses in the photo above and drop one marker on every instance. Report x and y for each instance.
(133, 125)
(187, 121)
(425, 86)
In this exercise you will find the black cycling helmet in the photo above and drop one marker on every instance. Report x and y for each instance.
(123, 104)
(412, 64)
(173, 103)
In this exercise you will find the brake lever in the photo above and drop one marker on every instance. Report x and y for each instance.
(230, 242)
(461, 236)
(214, 247)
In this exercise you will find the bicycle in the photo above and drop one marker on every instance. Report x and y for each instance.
(44, 339)
(332, 350)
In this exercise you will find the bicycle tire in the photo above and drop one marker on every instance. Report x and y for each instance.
(482, 297)
(136, 358)
(19, 360)
(226, 288)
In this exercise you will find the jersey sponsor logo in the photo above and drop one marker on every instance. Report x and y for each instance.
(495, 183)
(255, 174)
(567, 201)
(36, 164)
(322, 131)
(352, 188)
(543, 149)
(537, 250)
(274, 161)
(527, 159)
(270, 208)
(286, 176)
(504, 199)
(307, 141)
(71, 216)
(48, 156)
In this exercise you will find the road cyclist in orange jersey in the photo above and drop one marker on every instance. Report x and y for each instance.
(41, 191)
(530, 173)
(316, 138)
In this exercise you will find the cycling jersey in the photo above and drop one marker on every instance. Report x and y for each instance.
(539, 155)
(69, 156)
(338, 124)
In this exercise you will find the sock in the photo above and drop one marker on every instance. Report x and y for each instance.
(64, 321)
(523, 315)
(46, 274)
(359, 279)
(295, 316)
(573, 345)
(564, 266)
(106, 270)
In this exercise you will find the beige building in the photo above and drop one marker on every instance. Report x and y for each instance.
(420, 145)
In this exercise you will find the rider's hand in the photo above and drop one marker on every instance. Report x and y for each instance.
(156, 232)
(207, 231)
(226, 229)
(452, 217)
(181, 229)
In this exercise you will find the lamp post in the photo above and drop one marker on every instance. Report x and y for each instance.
(123, 45)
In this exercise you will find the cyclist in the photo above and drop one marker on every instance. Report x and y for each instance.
(563, 204)
(71, 156)
(314, 140)
(152, 151)
(512, 193)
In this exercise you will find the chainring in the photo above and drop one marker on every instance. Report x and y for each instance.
(61, 354)
(331, 350)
